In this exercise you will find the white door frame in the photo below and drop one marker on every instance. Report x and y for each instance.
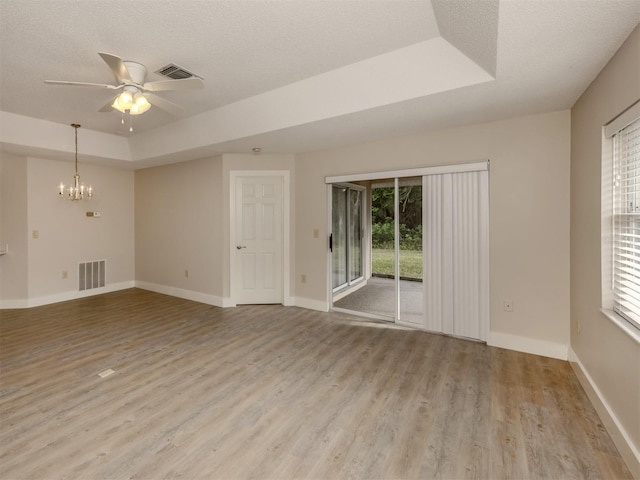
(286, 229)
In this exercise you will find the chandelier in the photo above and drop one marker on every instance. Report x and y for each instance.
(78, 190)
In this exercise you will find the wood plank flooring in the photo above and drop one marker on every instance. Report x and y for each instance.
(278, 392)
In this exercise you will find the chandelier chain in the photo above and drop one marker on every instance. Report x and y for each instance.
(76, 127)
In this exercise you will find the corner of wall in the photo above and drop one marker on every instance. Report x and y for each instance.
(528, 345)
(614, 426)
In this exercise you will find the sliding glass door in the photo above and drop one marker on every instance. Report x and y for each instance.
(426, 235)
(347, 223)
(411, 293)
(339, 236)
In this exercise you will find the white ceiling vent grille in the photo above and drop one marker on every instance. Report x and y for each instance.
(91, 275)
(175, 72)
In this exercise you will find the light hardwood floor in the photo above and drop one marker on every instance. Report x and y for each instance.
(278, 392)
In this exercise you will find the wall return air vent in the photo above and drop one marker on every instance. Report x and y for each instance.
(175, 72)
(92, 275)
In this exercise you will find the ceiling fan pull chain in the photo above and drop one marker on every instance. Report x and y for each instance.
(130, 123)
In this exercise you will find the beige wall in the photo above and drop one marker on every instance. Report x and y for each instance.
(529, 224)
(182, 223)
(66, 236)
(13, 228)
(608, 355)
(179, 226)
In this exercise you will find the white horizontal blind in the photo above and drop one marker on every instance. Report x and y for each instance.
(626, 223)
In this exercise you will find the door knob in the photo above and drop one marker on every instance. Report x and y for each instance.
(240, 247)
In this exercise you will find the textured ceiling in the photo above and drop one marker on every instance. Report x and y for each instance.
(241, 48)
(299, 75)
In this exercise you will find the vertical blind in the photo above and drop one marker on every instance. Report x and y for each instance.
(626, 223)
(456, 253)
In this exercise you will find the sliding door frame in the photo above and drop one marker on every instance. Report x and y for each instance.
(363, 232)
(397, 175)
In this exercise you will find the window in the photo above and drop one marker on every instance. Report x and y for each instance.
(626, 222)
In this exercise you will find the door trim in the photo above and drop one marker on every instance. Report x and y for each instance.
(287, 300)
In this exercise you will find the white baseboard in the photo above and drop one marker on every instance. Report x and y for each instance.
(630, 452)
(182, 293)
(528, 345)
(310, 304)
(154, 287)
(63, 296)
(226, 302)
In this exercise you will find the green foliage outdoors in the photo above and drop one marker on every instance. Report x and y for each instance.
(383, 234)
(410, 201)
(382, 263)
(382, 218)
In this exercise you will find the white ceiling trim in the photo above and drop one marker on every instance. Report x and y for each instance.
(28, 136)
(426, 68)
(423, 69)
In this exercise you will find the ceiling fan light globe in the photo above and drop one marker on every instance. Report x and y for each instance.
(141, 101)
(125, 100)
(117, 106)
(143, 108)
(140, 105)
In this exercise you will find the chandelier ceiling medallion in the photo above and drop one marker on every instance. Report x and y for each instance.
(78, 190)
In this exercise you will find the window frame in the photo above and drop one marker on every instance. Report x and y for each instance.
(611, 213)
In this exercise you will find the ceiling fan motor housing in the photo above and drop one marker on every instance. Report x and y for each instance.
(137, 72)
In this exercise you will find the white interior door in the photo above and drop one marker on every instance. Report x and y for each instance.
(259, 239)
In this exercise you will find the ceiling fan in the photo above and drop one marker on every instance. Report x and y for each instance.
(136, 96)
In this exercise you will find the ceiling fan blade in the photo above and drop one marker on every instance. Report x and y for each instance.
(83, 84)
(118, 67)
(108, 107)
(165, 105)
(192, 83)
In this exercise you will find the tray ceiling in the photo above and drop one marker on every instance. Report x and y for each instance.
(298, 75)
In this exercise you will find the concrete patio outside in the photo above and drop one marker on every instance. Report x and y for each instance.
(378, 297)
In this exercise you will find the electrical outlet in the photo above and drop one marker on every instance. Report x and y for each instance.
(65, 274)
(507, 306)
(303, 278)
(316, 233)
(186, 273)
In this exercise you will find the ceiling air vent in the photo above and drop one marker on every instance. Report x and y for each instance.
(175, 72)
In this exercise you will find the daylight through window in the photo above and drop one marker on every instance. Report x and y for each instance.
(626, 223)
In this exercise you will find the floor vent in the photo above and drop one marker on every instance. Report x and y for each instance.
(91, 275)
